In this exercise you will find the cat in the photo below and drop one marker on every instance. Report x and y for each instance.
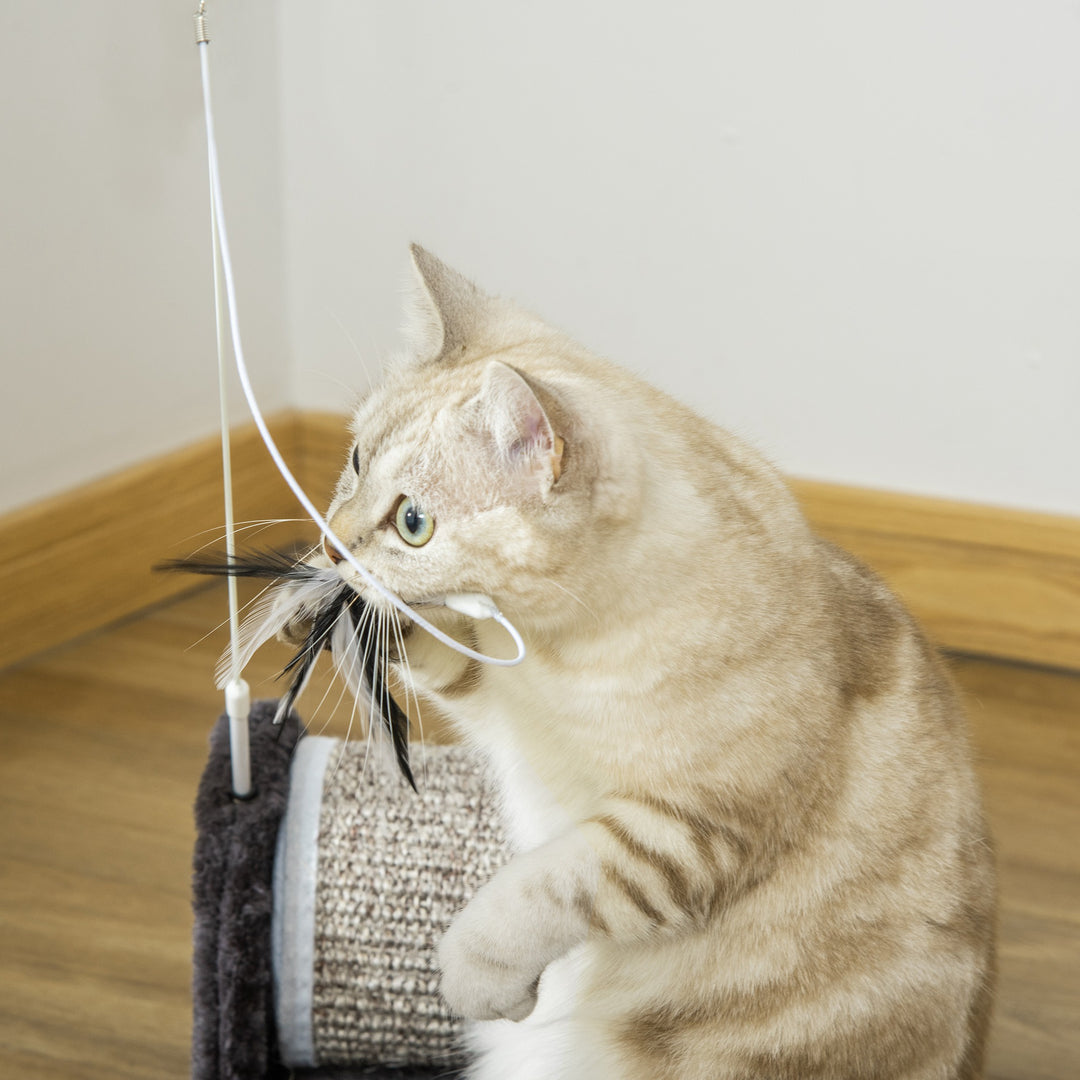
(748, 838)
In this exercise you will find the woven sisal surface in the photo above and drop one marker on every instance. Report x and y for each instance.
(394, 868)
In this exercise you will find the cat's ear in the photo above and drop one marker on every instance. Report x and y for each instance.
(526, 446)
(444, 311)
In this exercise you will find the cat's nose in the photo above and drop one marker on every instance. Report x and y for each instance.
(332, 552)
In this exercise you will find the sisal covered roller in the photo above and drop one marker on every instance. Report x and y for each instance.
(367, 876)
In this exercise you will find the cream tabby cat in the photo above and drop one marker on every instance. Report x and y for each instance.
(749, 838)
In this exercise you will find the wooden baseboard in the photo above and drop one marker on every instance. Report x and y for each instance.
(324, 442)
(981, 579)
(84, 559)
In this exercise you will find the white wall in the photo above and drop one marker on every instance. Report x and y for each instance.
(106, 332)
(849, 231)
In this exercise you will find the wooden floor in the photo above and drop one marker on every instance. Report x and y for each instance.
(101, 747)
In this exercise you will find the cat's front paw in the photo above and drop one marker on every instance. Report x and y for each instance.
(480, 981)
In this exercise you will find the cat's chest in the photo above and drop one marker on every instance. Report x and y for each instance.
(608, 672)
(549, 702)
(533, 812)
(568, 727)
(557, 738)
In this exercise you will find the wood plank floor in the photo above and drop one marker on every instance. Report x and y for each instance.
(101, 747)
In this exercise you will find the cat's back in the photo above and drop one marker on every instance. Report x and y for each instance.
(892, 685)
(903, 819)
(867, 946)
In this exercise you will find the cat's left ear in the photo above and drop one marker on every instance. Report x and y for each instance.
(445, 311)
(525, 443)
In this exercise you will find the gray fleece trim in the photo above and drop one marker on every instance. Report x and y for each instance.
(295, 875)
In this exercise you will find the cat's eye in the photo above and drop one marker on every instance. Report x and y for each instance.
(356, 459)
(415, 526)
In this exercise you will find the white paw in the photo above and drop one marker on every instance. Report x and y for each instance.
(482, 981)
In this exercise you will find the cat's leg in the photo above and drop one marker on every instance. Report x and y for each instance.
(532, 912)
(544, 1046)
(626, 878)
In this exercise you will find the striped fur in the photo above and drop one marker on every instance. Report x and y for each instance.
(750, 842)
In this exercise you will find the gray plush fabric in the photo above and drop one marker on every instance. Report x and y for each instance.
(232, 1033)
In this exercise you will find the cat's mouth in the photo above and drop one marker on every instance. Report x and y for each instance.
(380, 602)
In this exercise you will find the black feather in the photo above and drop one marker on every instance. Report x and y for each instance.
(271, 564)
(345, 603)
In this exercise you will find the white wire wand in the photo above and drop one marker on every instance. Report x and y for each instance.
(473, 605)
(237, 691)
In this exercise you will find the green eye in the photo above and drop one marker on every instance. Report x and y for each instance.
(412, 523)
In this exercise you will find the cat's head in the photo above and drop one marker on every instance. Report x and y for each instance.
(473, 469)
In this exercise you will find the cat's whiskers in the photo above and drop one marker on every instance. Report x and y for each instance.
(345, 739)
(225, 622)
(405, 669)
(246, 522)
(322, 701)
(358, 652)
(407, 682)
(384, 641)
(393, 715)
(366, 634)
(576, 599)
(369, 632)
(350, 659)
(376, 702)
(355, 348)
(220, 533)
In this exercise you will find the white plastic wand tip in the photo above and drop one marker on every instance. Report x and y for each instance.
(473, 605)
(238, 700)
(238, 706)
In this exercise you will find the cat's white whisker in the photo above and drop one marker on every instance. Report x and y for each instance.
(355, 348)
(322, 701)
(343, 651)
(225, 622)
(352, 630)
(360, 646)
(222, 533)
(378, 716)
(384, 642)
(409, 684)
(271, 615)
(573, 596)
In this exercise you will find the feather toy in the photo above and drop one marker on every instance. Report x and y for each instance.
(340, 623)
